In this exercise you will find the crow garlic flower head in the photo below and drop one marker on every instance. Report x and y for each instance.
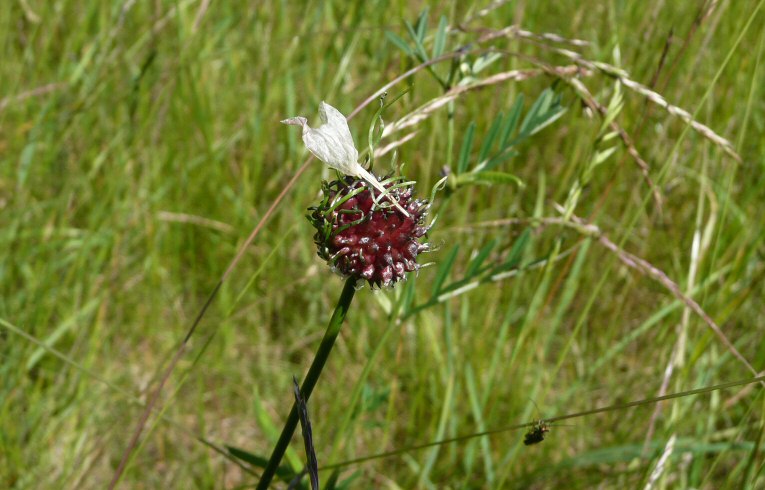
(359, 238)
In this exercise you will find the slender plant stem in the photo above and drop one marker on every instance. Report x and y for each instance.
(618, 406)
(333, 329)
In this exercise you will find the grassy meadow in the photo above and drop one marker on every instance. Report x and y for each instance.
(599, 241)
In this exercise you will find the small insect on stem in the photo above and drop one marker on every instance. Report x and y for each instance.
(536, 434)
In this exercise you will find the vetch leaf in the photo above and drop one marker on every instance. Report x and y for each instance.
(500, 158)
(602, 156)
(489, 178)
(475, 264)
(422, 25)
(543, 112)
(400, 43)
(511, 123)
(513, 259)
(536, 107)
(439, 42)
(467, 145)
(484, 61)
(488, 140)
(444, 269)
(419, 50)
(615, 106)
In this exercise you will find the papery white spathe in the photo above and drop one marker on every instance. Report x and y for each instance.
(332, 143)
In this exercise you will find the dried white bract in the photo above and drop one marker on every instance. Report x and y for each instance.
(332, 143)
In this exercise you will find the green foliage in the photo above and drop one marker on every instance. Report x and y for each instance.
(285, 474)
(140, 145)
(476, 274)
(499, 144)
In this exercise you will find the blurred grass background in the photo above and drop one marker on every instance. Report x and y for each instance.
(140, 144)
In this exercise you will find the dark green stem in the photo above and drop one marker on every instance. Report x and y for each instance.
(310, 380)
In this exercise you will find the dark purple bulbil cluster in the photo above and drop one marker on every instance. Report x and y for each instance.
(368, 240)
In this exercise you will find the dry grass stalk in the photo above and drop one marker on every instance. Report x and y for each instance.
(654, 97)
(425, 111)
(645, 267)
(35, 92)
(621, 75)
(588, 99)
(633, 262)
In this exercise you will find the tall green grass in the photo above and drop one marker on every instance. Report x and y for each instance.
(140, 144)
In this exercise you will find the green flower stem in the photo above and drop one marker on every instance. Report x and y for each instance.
(333, 329)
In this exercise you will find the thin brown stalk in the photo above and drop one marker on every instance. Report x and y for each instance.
(662, 60)
(657, 99)
(486, 10)
(27, 94)
(702, 14)
(201, 13)
(170, 216)
(642, 266)
(668, 370)
(609, 408)
(638, 131)
(645, 267)
(516, 31)
(182, 349)
(661, 465)
(426, 110)
(566, 73)
(633, 85)
(588, 99)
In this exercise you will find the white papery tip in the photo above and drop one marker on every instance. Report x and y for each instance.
(333, 144)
